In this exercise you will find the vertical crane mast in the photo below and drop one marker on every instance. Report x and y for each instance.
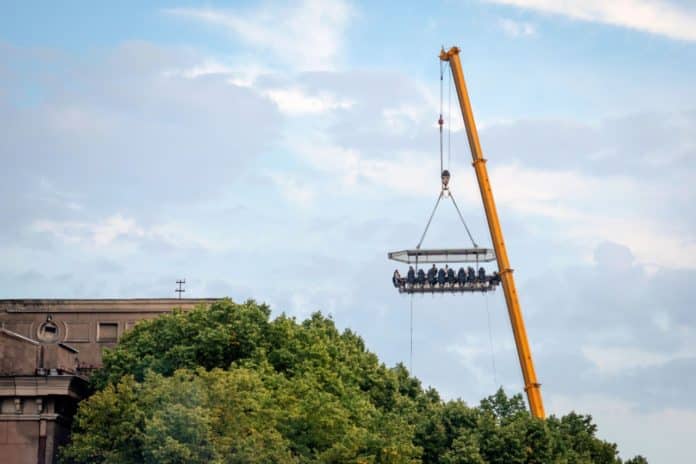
(531, 385)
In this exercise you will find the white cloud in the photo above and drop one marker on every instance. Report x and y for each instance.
(48, 193)
(582, 206)
(113, 227)
(478, 353)
(206, 68)
(403, 173)
(516, 28)
(568, 198)
(73, 119)
(654, 16)
(105, 233)
(666, 434)
(402, 119)
(613, 360)
(306, 36)
(99, 233)
(240, 75)
(471, 353)
(295, 102)
(294, 190)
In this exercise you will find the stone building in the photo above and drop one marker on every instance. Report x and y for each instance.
(47, 350)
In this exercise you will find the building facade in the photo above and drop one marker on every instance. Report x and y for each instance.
(48, 348)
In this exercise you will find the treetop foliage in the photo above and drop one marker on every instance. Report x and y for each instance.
(226, 384)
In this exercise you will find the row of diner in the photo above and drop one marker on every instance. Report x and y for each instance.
(444, 277)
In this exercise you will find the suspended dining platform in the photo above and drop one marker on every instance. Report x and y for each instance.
(482, 287)
(443, 256)
(444, 279)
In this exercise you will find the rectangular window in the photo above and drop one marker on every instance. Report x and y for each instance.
(78, 331)
(107, 332)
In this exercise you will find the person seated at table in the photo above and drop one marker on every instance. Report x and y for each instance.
(451, 279)
(420, 279)
(461, 276)
(432, 275)
(441, 277)
(396, 279)
(411, 276)
(471, 275)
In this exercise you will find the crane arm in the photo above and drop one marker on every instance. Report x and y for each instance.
(531, 385)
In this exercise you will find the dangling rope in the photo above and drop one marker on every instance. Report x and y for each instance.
(410, 354)
(490, 340)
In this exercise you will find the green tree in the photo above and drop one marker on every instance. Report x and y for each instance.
(206, 337)
(190, 417)
(226, 384)
(464, 449)
(108, 426)
(637, 460)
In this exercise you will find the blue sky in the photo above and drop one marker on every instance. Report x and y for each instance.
(279, 150)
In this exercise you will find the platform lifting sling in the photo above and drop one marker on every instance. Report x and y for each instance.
(531, 385)
(445, 279)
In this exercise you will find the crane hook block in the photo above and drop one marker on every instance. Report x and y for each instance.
(445, 176)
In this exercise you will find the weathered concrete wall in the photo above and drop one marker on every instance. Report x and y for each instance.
(44, 346)
(35, 415)
(60, 356)
(18, 442)
(18, 354)
(85, 325)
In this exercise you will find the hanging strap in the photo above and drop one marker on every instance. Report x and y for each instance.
(490, 340)
(461, 218)
(410, 355)
(427, 226)
(473, 242)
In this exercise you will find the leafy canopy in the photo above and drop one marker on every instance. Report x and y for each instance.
(225, 384)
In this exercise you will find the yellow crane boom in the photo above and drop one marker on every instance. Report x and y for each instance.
(531, 385)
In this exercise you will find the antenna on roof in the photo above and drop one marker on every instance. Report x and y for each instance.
(180, 289)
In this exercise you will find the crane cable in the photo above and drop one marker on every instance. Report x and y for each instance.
(441, 121)
(449, 116)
